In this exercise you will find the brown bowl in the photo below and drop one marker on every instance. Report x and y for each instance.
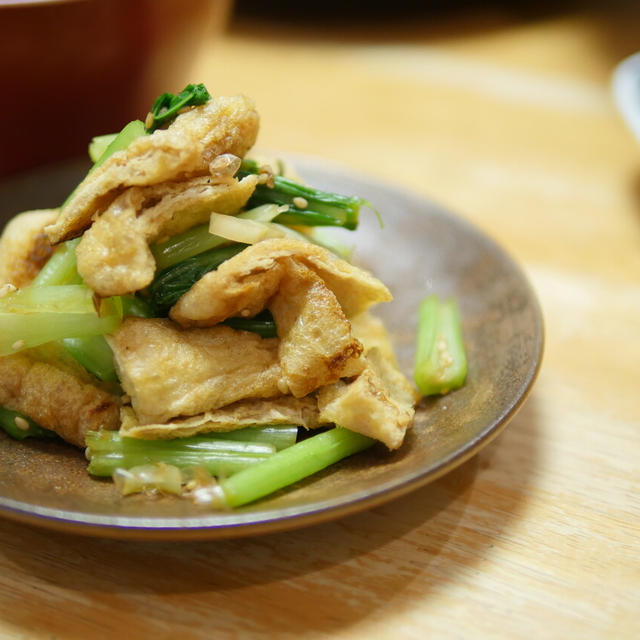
(73, 69)
(421, 249)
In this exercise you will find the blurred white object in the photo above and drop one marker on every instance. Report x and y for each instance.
(626, 91)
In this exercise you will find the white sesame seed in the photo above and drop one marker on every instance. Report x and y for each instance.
(6, 289)
(300, 202)
(18, 344)
(148, 121)
(21, 423)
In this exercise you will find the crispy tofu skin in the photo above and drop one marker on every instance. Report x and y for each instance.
(24, 247)
(316, 343)
(310, 293)
(184, 150)
(114, 257)
(243, 284)
(170, 372)
(245, 413)
(56, 395)
(378, 403)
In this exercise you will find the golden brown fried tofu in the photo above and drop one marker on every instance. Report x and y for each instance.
(57, 394)
(114, 257)
(170, 372)
(378, 403)
(24, 247)
(244, 413)
(184, 150)
(316, 343)
(307, 290)
(242, 285)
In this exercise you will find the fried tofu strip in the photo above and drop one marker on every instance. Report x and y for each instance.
(244, 413)
(242, 285)
(170, 372)
(57, 396)
(24, 247)
(184, 150)
(114, 256)
(311, 294)
(316, 343)
(378, 403)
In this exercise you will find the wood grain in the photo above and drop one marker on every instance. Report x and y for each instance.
(507, 120)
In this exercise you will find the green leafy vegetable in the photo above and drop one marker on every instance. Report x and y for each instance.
(173, 282)
(263, 324)
(441, 361)
(167, 106)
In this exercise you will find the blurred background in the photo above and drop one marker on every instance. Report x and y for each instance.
(72, 68)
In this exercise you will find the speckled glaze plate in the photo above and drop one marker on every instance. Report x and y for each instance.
(422, 249)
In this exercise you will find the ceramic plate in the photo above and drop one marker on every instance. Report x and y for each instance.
(422, 249)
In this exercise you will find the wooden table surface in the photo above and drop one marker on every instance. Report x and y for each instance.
(507, 119)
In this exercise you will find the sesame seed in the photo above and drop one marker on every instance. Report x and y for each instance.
(283, 387)
(6, 289)
(148, 121)
(21, 423)
(18, 344)
(301, 203)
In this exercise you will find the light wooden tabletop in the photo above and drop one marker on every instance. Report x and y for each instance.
(507, 120)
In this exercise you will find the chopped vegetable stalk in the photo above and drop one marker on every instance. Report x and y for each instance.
(167, 106)
(19, 426)
(111, 442)
(280, 436)
(130, 132)
(61, 268)
(219, 453)
(173, 282)
(441, 361)
(122, 140)
(290, 465)
(198, 239)
(239, 230)
(99, 144)
(94, 354)
(224, 462)
(23, 330)
(67, 298)
(307, 206)
(149, 477)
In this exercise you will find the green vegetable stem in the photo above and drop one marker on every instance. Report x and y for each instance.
(440, 361)
(19, 426)
(292, 464)
(219, 454)
(307, 206)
